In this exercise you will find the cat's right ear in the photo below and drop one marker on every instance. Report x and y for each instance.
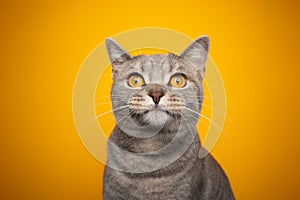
(117, 55)
(197, 53)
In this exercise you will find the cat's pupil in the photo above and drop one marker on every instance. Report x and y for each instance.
(136, 80)
(177, 80)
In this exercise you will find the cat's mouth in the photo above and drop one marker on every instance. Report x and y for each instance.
(156, 109)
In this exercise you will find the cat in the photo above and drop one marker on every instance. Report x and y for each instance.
(153, 150)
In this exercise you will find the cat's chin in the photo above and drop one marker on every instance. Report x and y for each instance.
(156, 111)
(156, 117)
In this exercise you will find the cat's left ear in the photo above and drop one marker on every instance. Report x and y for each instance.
(197, 53)
(115, 52)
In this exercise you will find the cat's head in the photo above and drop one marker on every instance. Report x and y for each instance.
(156, 89)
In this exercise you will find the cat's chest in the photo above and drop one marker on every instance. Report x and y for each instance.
(175, 186)
(161, 188)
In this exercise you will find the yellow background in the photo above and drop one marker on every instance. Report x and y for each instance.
(255, 44)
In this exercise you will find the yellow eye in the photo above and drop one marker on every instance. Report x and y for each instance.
(178, 81)
(135, 81)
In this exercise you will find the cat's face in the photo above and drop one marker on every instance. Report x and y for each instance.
(157, 89)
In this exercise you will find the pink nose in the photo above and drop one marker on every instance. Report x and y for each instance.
(156, 96)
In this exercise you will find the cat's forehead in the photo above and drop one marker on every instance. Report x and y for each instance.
(155, 68)
(158, 62)
(154, 60)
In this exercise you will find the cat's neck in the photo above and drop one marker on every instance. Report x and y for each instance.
(150, 144)
(141, 145)
(130, 154)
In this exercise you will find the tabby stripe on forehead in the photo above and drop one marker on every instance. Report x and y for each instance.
(142, 67)
(171, 67)
(181, 68)
(163, 62)
(152, 64)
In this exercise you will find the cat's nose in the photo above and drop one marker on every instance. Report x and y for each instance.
(156, 96)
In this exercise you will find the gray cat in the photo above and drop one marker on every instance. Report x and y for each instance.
(153, 151)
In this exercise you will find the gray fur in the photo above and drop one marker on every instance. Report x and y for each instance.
(152, 151)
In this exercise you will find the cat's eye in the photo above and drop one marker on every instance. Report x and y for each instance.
(178, 81)
(136, 81)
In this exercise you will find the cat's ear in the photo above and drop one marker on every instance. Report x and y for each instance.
(197, 53)
(116, 54)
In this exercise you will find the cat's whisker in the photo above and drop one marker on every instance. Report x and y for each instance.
(101, 97)
(103, 103)
(125, 117)
(109, 96)
(105, 113)
(114, 100)
(199, 114)
(189, 125)
(110, 102)
(210, 121)
(203, 116)
(210, 97)
(219, 111)
(94, 106)
(214, 109)
(112, 110)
